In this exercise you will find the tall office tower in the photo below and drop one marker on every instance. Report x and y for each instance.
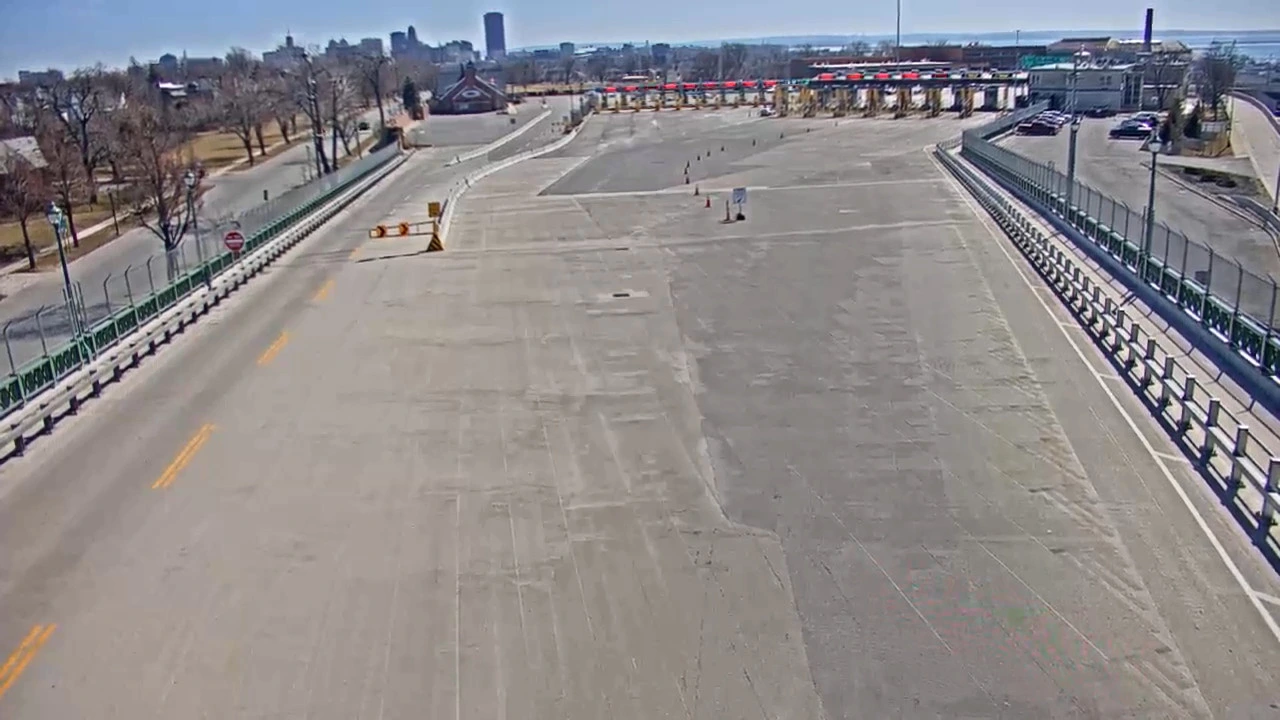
(495, 40)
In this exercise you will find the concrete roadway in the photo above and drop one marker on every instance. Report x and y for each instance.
(1120, 169)
(230, 195)
(610, 457)
(1254, 134)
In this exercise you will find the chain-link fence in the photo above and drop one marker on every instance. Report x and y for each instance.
(1224, 278)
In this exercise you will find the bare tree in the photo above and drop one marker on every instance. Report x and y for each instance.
(159, 157)
(305, 88)
(79, 103)
(373, 79)
(733, 58)
(884, 48)
(597, 67)
(340, 104)
(23, 193)
(705, 65)
(858, 48)
(240, 100)
(1165, 72)
(1217, 73)
(66, 172)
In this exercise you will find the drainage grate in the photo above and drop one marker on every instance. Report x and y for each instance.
(622, 294)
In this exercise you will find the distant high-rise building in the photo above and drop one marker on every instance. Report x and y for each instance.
(413, 37)
(661, 53)
(566, 49)
(371, 47)
(285, 56)
(399, 42)
(495, 38)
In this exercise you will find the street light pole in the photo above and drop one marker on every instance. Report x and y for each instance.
(1075, 123)
(189, 179)
(56, 219)
(897, 43)
(1150, 231)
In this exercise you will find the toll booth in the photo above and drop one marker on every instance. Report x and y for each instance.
(873, 102)
(991, 98)
(902, 105)
(933, 101)
(966, 101)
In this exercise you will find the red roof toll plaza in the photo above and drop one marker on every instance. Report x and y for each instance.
(904, 89)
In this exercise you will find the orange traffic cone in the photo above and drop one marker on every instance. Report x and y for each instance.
(708, 201)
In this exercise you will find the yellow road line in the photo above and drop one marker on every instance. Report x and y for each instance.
(18, 661)
(323, 292)
(270, 353)
(189, 451)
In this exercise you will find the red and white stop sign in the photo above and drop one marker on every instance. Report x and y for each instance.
(234, 240)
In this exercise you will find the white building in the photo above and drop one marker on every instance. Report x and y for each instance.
(1118, 87)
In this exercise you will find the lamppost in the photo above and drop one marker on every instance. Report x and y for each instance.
(1075, 122)
(1154, 146)
(897, 43)
(57, 219)
(190, 181)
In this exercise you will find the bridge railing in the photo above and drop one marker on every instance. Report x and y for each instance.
(1238, 466)
(145, 290)
(1237, 306)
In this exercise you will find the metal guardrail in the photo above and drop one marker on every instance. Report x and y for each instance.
(1248, 472)
(260, 225)
(1237, 306)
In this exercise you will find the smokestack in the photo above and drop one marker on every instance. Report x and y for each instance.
(1146, 30)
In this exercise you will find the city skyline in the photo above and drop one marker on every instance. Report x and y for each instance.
(518, 38)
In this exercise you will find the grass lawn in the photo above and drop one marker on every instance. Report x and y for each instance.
(11, 247)
(219, 149)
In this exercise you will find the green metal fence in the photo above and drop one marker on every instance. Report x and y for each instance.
(1238, 306)
(260, 226)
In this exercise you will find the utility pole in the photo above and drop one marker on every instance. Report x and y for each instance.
(897, 43)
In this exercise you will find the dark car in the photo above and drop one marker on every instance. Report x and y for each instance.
(1100, 111)
(1131, 129)
(1038, 127)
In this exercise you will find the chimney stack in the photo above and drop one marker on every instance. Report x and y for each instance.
(1146, 30)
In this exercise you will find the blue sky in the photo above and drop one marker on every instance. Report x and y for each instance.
(68, 33)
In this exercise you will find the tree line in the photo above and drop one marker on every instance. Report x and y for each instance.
(133, 130)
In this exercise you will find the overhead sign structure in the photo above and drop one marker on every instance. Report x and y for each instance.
(234, 240)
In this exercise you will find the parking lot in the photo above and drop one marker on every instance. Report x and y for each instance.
(1121, 169)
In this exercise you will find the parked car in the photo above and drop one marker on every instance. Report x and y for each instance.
(364, 125)
(1133, 129)
(1100, 111)
(1038, 127)
(1055, 118)
(1148, 117)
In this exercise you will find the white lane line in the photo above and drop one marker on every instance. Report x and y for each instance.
(1157, 456)
(1272, 599)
